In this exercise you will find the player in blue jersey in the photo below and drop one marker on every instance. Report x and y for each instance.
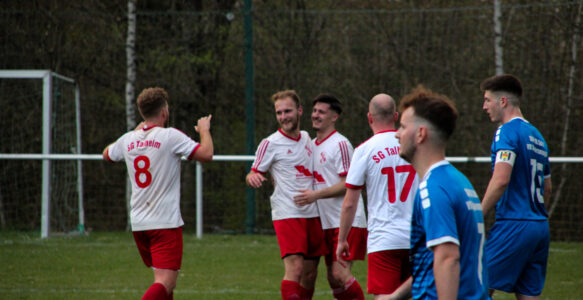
(518, 242)
(447, 235)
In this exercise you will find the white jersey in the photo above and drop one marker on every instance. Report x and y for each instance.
(391, 184)
(289, 161)
(152, 157)
(331, 162)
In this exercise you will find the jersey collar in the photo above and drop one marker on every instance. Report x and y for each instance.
(146, 127)
(390, 130)
(289, 137)
(434, 166)
(324, 139)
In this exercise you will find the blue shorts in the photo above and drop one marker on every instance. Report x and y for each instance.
(517, 252)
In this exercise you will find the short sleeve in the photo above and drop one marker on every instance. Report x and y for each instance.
(342, 163)
(438, 217)
(115, 150)
(505, 140)
(182, 145)
(264, 157)
(356, 176)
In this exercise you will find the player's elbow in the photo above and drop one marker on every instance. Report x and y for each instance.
(205, 157)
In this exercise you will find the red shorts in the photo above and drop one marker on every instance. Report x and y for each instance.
(356, 241)
(160, 248)
(302, 236)
(387, 270)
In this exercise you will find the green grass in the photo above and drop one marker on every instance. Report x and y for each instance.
(106, 265)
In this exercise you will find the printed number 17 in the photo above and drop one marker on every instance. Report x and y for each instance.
(390, 172)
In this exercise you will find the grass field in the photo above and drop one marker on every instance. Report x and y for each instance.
(106, 265)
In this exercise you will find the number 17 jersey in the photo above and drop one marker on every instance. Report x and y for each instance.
(391, 183)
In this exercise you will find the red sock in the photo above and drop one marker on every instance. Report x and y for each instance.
(307, 294)
(351, 291)
(157, 291)
(290, 290)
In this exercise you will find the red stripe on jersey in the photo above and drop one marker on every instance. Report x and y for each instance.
(344, 155)
(354, 187)
(257, 171)
(260, 153)
(191, 156)
(107, 155)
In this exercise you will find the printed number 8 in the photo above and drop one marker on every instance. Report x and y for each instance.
(142, 170)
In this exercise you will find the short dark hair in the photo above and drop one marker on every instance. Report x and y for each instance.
(505, 83)
(334, 103)
(437, 109)
(285, 94)
(151, 101)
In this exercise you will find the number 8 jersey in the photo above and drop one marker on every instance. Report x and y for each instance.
(391, 184)
(153, 156)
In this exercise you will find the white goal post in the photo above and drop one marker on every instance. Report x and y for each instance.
(47, 77)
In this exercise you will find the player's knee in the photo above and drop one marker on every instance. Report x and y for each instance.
(333, 280)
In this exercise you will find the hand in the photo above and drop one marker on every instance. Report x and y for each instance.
(203, 124)
(305, 197)
(341, 252)
(255, 180)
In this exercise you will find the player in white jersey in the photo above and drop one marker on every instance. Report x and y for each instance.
(331, 158)
(287, 155)
(391, 183)
(152, 154)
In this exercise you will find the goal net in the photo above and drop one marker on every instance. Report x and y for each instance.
(39, 118)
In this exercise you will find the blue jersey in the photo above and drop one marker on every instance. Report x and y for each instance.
(447, 209)
(523, 199)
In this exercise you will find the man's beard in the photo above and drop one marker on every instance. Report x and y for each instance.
(407, 154)
(295, 124)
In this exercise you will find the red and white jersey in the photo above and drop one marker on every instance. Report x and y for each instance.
(391, 184)
(289, 161)
(331, 162)
(152, 156)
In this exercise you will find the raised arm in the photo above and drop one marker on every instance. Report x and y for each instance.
(205, 151)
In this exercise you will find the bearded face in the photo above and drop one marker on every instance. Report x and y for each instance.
(287, 114)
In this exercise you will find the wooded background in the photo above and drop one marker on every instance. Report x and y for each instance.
(352, 49)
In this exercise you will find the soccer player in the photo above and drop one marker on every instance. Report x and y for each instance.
(152, 154)
(331, 158)
(390, 184)
(518, 242)
(447, 235)
(287, 155)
